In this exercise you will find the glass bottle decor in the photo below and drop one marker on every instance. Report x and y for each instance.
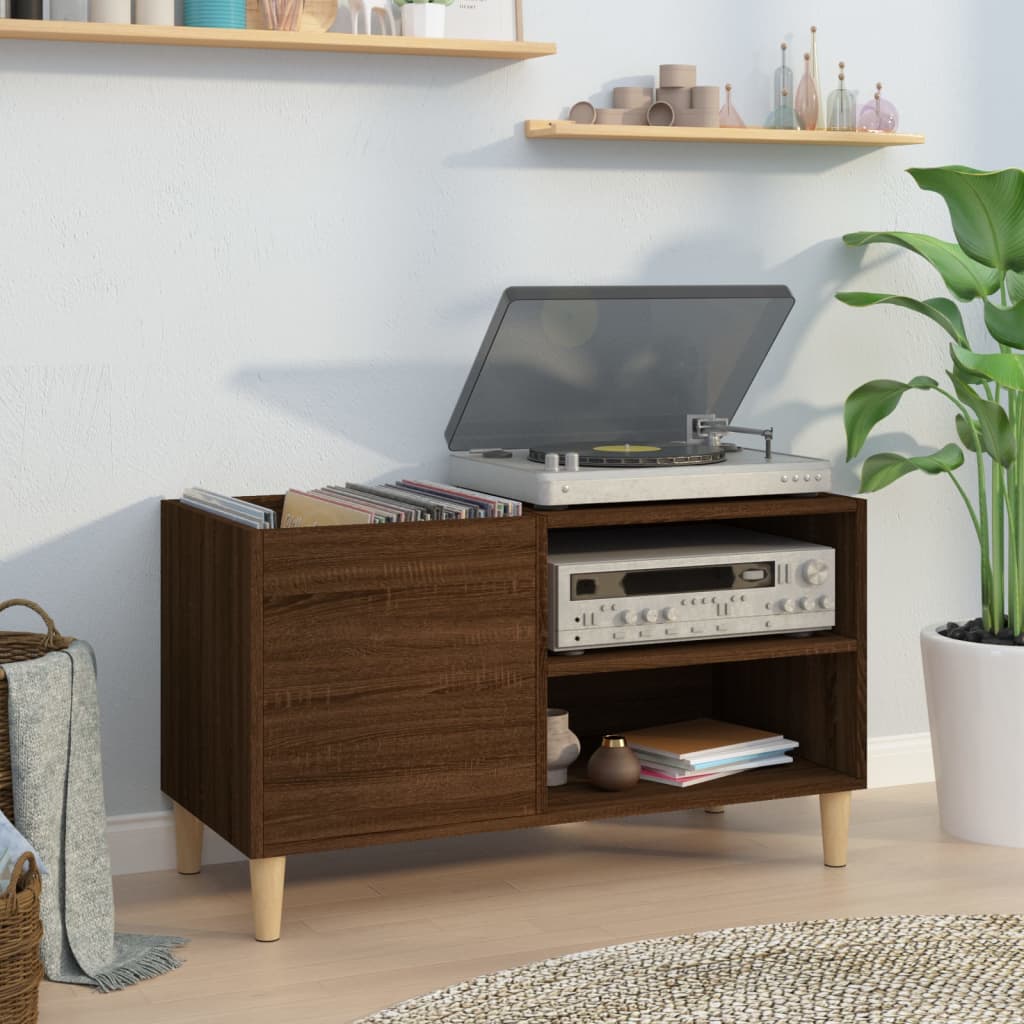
(783, 79)
(878, 114)
(816, 78)
(842, 106)
(806, 103)
(784, 116)
(728, 116)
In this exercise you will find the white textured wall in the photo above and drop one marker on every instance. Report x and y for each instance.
(252, 270)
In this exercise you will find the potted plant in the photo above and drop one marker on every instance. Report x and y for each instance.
(423, 17)
(974, 671)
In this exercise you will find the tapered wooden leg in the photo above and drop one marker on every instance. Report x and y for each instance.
(188, 839)
(835, 827)
(714, 810)
(266, 878)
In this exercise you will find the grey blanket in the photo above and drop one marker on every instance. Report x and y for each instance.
(58, 805)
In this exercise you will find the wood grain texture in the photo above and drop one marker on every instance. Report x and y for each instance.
(579, 801)
(211, 672)
(396, 677)
(723, 509)
(697, 652)
(400, 685)
(262, 39)
(545, 129)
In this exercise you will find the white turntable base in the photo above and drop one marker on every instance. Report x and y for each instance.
(744, 473)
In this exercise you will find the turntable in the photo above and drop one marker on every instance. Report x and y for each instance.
(581, 396)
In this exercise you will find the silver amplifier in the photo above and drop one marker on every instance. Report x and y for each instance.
(654, 585)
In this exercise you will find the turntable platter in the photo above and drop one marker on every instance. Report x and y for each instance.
(638, 455)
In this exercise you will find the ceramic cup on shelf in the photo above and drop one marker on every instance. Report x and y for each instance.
(613, 766)
(677, 76)
(111, 12)
(215, 13)
(153, 12)
(583, 112)
(563, 746)
(424, 20)
(67, 10)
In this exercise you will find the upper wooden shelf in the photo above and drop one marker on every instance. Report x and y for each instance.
(645, 133)
(261, 39)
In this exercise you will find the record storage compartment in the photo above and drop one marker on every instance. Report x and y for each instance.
(346, 686)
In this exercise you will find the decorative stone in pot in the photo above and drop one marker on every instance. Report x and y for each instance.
(424, 18)
(563, 746)
(613, 766)
(975, 710)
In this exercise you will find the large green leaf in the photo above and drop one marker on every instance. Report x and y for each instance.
(871, 403)
(992, 423)
(964, 277)
(945, 312)
(885, 468)
(1006, 323)
(987, 211)
(1015, 286)
(963, 431)
(1005, 368)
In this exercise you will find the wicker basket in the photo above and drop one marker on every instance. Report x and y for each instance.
(21, 930)
(20, 647)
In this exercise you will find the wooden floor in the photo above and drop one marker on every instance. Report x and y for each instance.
(366, 928)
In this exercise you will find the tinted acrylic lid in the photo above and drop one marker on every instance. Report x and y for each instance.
(560, 366)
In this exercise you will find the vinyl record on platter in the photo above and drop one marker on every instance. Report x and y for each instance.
(613, 455)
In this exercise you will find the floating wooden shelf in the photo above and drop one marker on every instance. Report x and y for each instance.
(645, 133)
(261, 39)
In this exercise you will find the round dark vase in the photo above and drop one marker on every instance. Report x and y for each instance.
(613, 766)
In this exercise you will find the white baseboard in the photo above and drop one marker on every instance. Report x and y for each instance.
(145, 842)
(900, 760)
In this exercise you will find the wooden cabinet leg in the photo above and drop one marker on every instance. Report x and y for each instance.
(266, 878)
(835, 827)
(714, 810)
(188, 839)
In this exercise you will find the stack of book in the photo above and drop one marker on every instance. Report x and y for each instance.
(687, 753)
(405, 501)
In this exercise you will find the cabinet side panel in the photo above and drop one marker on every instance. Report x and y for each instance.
(401, 678)
(210, 719)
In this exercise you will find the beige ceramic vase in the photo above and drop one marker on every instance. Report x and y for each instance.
(613, 766)
(563, 747)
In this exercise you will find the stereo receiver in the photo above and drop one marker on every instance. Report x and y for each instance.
(656, 585)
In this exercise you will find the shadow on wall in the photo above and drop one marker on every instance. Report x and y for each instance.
(102, 583)
(696, 161)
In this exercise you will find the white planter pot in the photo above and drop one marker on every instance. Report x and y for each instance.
(423, 20)
(976, 712)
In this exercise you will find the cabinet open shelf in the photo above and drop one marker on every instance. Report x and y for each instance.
(540, 129)
(577, 800)
(701, 652)
(262, 39)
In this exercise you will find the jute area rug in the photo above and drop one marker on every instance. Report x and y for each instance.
(882, 970)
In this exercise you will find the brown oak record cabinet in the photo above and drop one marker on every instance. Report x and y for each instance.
(345, 686)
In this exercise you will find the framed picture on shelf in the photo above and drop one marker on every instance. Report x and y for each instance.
(485, 19)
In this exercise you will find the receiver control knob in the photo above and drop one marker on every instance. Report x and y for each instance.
(789, 605)
(671, 614)
(815, 572)
(808, 604)
(827, 603)
(630, 618)
(650, 615)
